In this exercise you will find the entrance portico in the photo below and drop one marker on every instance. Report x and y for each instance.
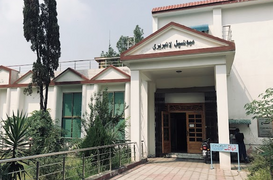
(182, 64)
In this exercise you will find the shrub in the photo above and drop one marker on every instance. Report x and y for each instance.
(261, 166)
(45, 135)
(15, 141)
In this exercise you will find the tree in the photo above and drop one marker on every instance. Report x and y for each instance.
(262, 108)
(42, 30)
(263, 161)
(45, 136)
(110, 53)
(102, 126)
(15, 141)
(126, 42)
(138, 34)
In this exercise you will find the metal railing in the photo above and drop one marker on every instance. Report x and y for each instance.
(74, 64)
(74, 164)
(227, 33)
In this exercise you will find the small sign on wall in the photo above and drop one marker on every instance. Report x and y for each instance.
(264, 127)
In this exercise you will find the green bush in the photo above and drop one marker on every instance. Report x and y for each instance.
(45, 135)
(261, 166)
(15, 140)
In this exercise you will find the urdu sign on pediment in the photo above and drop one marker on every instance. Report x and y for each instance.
(176, 44)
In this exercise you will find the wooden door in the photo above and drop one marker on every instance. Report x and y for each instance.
(195, 131)
(166, 132)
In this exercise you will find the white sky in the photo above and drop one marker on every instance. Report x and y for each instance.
(85, 26)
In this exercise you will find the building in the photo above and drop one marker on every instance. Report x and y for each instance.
(187, 81)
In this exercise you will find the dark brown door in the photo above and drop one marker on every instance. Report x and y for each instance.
(166, 132)
(195, 131)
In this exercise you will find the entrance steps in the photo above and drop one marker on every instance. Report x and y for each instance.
(184, 156)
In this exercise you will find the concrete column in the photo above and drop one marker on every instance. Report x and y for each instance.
(155, 24)
(135, 112)
(151, 119)
(217, 23)
(54, 103)
(127, 111)
(19, 99)
(222, 113)
(84, 106)
(96, 88)
(8, 102)
(84, 99)
(144, 117)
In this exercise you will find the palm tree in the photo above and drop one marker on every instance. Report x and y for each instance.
(14, 141)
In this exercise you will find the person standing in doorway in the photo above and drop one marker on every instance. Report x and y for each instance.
(242, 148)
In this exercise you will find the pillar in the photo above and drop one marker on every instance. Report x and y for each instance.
(127, 111)
(222, 113)
(144, 117)
(217, 23)
(151, 119)
(8, 102)
(19, 99)
(135, 112)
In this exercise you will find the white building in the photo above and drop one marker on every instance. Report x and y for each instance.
(187, 81)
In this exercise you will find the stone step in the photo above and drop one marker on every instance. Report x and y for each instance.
(184, 155)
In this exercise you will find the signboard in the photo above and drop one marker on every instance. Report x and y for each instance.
(176, 44)
(224, 148)
(264, 127)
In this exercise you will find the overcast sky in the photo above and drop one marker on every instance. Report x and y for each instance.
(85, 27)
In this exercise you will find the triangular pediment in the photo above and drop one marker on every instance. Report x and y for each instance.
(110, 73)
(25, 79)
(4, 75)
(178, 39)
(69, 75)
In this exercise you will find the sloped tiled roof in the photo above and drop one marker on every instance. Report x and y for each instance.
(194, 5)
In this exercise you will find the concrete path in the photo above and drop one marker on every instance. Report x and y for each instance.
(174, 169)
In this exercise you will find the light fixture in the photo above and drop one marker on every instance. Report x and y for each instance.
(178, 71)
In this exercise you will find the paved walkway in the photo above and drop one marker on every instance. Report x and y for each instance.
(174, 169)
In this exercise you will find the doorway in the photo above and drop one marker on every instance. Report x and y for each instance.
(183, 128)
(178, 132)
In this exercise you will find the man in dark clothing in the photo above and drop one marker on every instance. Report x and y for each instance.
(240, 141)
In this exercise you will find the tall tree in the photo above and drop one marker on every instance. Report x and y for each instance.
(110, 53)
(42, 30)
(138, 34)
(125, 42)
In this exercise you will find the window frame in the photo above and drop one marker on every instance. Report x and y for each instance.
(74, 118)
(113, 103)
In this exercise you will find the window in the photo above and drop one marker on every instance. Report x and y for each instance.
(71, 116)
(116, 102)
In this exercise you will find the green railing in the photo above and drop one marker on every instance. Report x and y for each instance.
(74, 164)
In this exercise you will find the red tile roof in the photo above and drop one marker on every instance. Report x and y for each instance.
(194, 5)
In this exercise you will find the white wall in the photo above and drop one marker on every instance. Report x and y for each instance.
(252, 68)
(4, 77)
(3, 97)
(192, 19)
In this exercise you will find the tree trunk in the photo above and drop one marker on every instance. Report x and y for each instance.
(46, 96)
(41, 97)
